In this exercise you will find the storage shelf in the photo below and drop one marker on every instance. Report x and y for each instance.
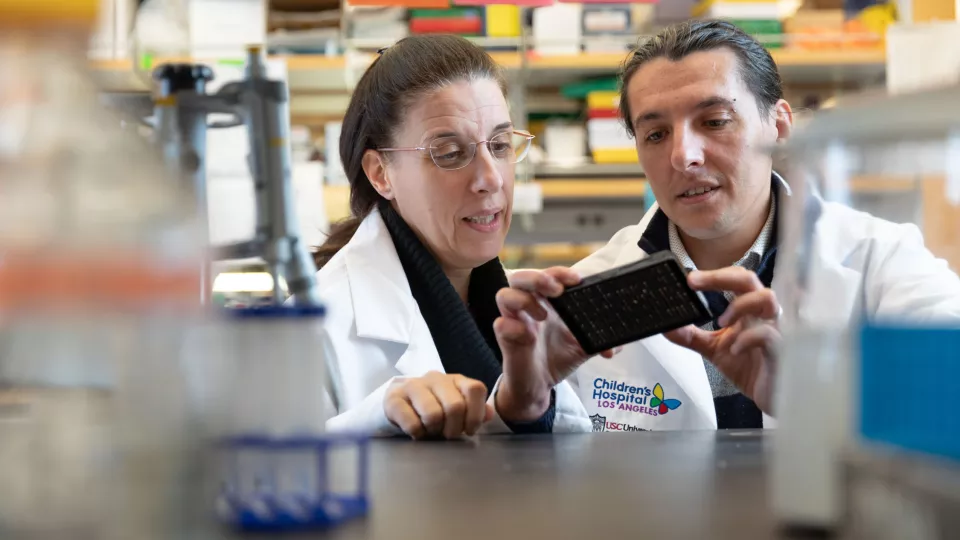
(309, 73)
(583, 188)
(337, 197)
(555, 170)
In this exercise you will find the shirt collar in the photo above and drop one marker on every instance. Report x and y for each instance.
(751, 259)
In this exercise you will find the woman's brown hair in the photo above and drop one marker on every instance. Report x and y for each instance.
(402, 74)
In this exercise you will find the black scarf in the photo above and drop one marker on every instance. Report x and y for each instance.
(464, 337)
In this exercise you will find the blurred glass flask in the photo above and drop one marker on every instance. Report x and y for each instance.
(99, 291)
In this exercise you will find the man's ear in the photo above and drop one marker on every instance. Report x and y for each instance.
(784, 119)
(376, 170)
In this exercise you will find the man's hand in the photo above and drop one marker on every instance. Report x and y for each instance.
(539, 351)
(744, 349)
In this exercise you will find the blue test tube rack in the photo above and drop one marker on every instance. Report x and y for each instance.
(255, 497)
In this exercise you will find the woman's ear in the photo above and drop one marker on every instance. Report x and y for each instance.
(376, 171)
(783, 119)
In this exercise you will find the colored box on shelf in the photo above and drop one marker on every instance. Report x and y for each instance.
(615, 155)
(609, 142)
(767, 32)
(466, 26)
(606, 19)
(502, 20)
(724, 9)
(457, 20)
(581, 89)
(603, 113)
(447, 13)
(557, 30)
(603, 100)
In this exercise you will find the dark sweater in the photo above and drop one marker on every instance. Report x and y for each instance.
(464, 337)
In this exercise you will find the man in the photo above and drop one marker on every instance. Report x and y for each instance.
(704, 102)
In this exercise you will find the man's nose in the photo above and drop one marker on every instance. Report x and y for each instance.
(487, 177)
(687, 151)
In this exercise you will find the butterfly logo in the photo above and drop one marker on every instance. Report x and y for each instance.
(665, 405)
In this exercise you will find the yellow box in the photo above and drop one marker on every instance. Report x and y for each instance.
(603, 99)
(615, 155)
(503, 20)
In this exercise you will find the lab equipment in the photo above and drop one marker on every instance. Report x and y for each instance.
(631, 302)
(103, 324)
(98, 299)
(871, 320)
(277, 468)
(181, 115)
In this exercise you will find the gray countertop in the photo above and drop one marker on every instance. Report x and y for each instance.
(650, 485)
(656, 485)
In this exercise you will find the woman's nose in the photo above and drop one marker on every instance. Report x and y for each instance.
(488, 177)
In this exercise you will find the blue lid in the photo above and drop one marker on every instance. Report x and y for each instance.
(276, 312)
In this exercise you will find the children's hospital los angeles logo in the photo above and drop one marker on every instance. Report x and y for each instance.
(617, 395)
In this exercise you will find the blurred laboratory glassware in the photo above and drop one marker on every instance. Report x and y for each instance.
(98, 297)
(271, 421)
(866, 274)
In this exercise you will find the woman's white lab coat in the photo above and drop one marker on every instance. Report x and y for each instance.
(375, 333)
(860, 264)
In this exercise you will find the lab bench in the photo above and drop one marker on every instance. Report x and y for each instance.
(674, 485)
(663, 485)
(666, 485)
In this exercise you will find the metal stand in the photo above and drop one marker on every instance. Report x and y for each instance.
(181, 110)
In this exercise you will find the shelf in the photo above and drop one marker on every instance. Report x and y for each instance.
(597, 61)
(582, 188)
(783, 58)
(841, 66)
(551, 253)
(312, 73)
(336, 198)
(553, 170)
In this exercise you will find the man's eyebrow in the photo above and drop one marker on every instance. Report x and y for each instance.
(647, 117)
(711, 101)
(714, 101)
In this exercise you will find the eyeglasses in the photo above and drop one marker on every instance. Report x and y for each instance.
(452, 153)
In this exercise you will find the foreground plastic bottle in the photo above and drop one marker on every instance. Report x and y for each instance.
(871, 319)
(99, 292)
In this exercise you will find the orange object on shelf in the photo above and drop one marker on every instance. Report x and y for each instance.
(856, 34)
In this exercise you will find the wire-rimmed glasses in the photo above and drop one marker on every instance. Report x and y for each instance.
(452, 153)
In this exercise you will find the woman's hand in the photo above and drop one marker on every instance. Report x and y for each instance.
(539, 351)
(437, 404)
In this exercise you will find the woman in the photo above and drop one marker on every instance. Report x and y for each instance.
(411, 277)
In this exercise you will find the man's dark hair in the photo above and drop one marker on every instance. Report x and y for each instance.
(757, 68)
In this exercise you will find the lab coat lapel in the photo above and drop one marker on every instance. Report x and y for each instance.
(683, 365)
(383, 305)
(834, 284)
(631, 251)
